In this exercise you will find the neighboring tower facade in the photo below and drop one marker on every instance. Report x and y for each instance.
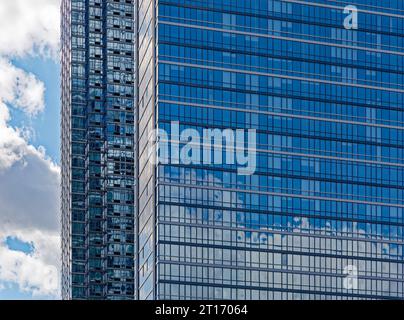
(322, 217)
(98, 150)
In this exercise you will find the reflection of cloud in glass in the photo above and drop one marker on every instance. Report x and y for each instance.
(297, 244)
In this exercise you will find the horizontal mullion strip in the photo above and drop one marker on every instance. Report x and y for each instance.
(281, 251)
(296, 176)
(313, 136)
(257, 12)
(214, 264)
(251, 187)
(317, 4)
(274, 75)
(313, 291)
(257, 30)
(244, 105)
(283, 233)
(321, 215)
(184, 25)
(286, 115)
(280, 95)
(248, 68)
(277, 194)
(287, 153)
(278, 56)
(270, 15)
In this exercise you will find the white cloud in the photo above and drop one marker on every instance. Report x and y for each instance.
(21, 89)
(24, 91)
(35, 273)
(29, 206)
(29, 180)
(29, 192)
(29, 26)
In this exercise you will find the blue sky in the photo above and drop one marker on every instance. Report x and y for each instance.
(16, 244)
(29, 149)
(12, 292)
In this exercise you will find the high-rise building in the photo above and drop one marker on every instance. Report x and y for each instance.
(98, 150)
(321, 214)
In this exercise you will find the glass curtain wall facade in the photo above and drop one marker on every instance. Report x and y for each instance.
(325, 205)
(98, 149)
(322, 216)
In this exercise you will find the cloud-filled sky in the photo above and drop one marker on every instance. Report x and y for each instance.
(29, 149)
